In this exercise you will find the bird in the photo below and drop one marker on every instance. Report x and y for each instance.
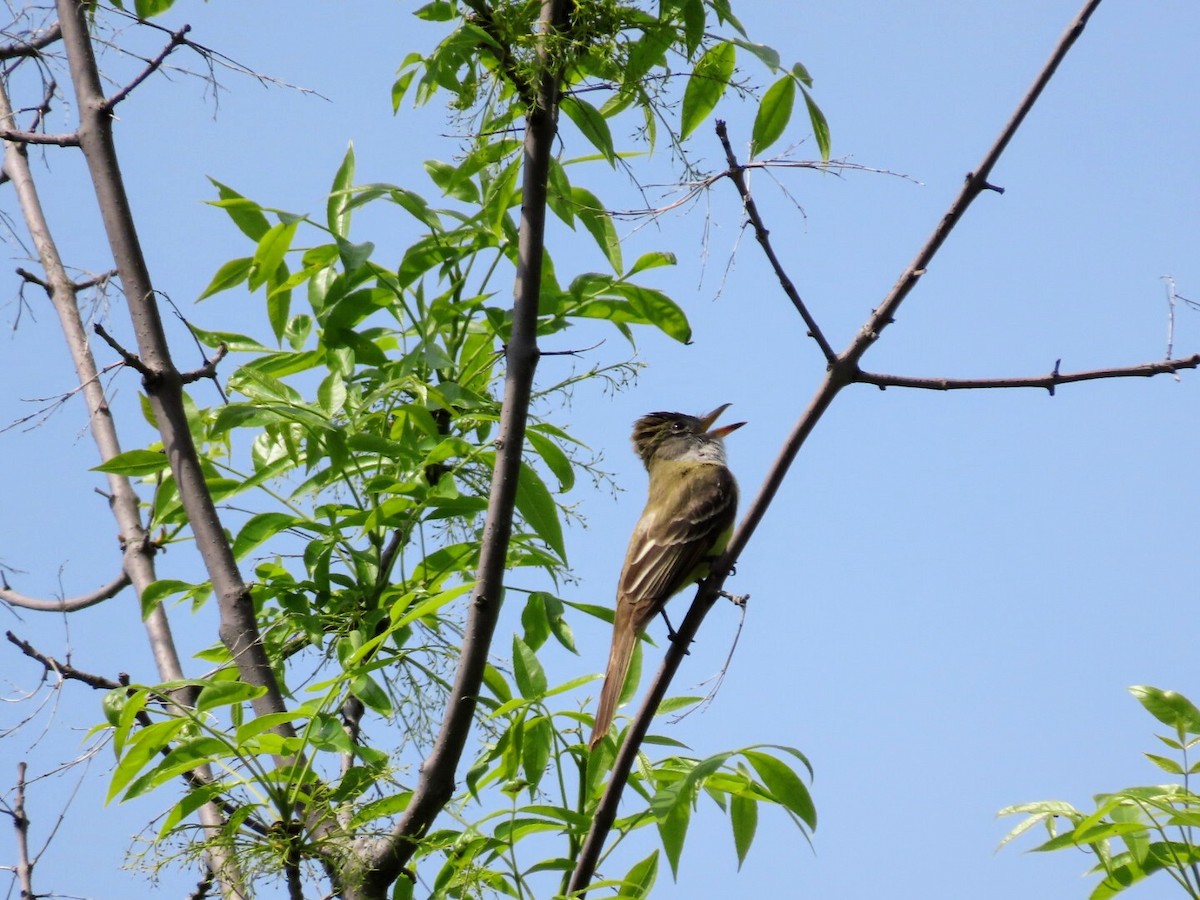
(687, 522)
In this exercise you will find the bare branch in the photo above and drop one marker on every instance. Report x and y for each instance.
(68, 604)
(178, 38)
(737, 175)
(21, 825)
(32, 47)
(209, 369)
(36, 137)
(66, 671)
(1047, 382)
(130, 359)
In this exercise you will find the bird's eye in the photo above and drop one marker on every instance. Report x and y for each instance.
(677, 426)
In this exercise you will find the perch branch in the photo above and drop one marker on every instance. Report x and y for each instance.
(840, 373)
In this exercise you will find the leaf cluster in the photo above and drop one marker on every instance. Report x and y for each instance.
(1138, 831)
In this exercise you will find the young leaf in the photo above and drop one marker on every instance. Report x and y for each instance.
(537, 508)
(784, 784)
(596, 220)
(246, 214)
(527, 671)
(133, 463)
(819, 126)
(591, 124)
(229, 275)
(774, 112)
(337, 207)
(743, 816)
(639, 880)
(708, 82)
(1169, 707)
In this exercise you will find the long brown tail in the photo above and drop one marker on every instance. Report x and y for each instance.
(625, 634)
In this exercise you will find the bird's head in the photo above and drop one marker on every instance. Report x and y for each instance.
(672, 435)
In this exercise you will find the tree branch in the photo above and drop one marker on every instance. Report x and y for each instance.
(161, 379)
(33, 47)
(737, 174)
(69, 604)
(842, 371)
(21, 824)
(1047, 382)
(436, 784)
(178, 38)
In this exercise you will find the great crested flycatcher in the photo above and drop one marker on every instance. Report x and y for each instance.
(687, 521)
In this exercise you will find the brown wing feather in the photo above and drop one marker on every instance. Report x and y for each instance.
(686, 516)
(678, 530)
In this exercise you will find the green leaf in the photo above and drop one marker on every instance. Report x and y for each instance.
(639, 880)
(1169, 707)
(707, 84)
(1165, 763)
(596, 220)
(554, 458)
(819, 126)
(260, 528)
(591, 124)
(774, 112)
(157, 591)
(539, 511)
(133, 463)
(269, 254)
(652, 260)
(769, 56)
(337, 207)
(533, 620)
(229, 275)
(527, 671)
(785, 785)
(743, 816)
(535, 749)
(246, 214)
(226, 693)
(148, 9)
(656, 308)
(558, 623)
(672, 830)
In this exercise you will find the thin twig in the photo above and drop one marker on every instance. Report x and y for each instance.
(130, 359)
(1047, 382)
(178, 38)
(737, 175)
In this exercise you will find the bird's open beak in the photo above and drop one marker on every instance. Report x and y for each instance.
(707, 421)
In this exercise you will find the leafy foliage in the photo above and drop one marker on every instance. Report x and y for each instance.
(357, 447)
(1138, 831)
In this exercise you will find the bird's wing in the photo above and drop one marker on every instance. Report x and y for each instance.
(678, 530)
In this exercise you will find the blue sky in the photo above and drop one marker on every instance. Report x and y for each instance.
(950, 594)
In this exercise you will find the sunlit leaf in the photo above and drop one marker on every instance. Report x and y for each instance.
(706, 85)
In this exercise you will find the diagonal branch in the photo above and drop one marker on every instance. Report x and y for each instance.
(842, 371)
(178, 39)
(737, 174)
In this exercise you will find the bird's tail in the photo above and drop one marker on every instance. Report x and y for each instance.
(625, 635)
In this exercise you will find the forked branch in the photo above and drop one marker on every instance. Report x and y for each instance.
(842, 370)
